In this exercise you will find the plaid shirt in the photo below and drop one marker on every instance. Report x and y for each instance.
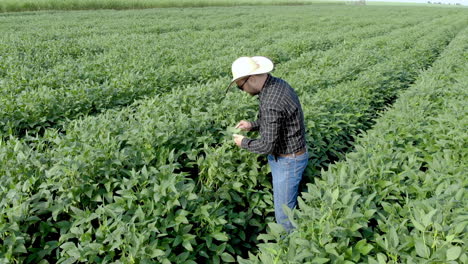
(280, 120)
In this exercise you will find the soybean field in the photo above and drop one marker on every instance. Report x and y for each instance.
(116, 135)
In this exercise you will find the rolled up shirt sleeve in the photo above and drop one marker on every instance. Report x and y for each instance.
(269, 124)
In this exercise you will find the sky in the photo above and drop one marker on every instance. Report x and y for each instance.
(463, 2)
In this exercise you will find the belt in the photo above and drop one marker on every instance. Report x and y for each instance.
(300, 152)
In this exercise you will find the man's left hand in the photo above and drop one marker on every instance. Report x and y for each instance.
(238, 139)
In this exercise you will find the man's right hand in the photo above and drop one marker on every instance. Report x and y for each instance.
(244, 125)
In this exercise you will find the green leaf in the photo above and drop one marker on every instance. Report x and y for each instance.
(335, 195)
(453, 253)
(157, 253)
(187, 245)
(427, 219)
(393, 237)
(232, 130)
(68, 246)
(237, 186)
(276, 229)
(363, 248)
(226, 257)
(320, 260)
(417, 225)
(369, 213)
(20, 249)
(382, 258)
(265, 237)
(220, 236)
(215, 259)
(355, 227)
(421, 249)
(372, 260)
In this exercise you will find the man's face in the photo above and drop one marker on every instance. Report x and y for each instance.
(241, 82)
(246, 86)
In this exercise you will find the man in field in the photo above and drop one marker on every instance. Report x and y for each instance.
(281, 126)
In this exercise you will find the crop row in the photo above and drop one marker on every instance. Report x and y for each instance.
(34, 5)
(401, 196)
(124, 182)
(50, 81)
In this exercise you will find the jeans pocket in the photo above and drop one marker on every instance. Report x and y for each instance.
(271, 158)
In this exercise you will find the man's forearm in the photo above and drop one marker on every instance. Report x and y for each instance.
(258, 146)
(255, 125)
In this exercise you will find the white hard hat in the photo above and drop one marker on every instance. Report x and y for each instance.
(246, 66)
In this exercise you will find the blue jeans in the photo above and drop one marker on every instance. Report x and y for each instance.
(287, 174)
